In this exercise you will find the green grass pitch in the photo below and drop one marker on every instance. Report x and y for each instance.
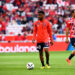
(15, 64)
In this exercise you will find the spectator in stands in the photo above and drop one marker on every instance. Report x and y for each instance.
(49, 1)
(22, 12)
(54, 37)
(2, 26)
(19, 21)
(18, 37)
(24, 30)
(24, 36)
(40, 2)
(24, 20)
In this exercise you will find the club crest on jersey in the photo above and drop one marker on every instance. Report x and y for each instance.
(44, 24)
(38, 23)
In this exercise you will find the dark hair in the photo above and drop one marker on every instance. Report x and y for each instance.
(19, 34)
(41, 12)
(72, 11)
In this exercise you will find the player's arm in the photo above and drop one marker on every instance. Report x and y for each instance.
(34, 33)
(67, 32)
(50, 33)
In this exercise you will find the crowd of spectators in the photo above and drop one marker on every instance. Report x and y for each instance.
(24, 12)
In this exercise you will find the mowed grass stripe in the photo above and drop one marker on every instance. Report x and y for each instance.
(15, 64)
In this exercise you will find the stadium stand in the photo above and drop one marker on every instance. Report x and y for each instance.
(18, 16)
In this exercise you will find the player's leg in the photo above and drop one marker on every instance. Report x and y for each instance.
(40, 48)
(46, 48)
(73, 52)
(71, 55)
(47, 55)
(41, 58)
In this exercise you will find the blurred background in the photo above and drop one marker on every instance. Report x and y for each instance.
(17, 18)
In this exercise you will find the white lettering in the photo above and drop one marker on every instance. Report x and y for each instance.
(18, 48)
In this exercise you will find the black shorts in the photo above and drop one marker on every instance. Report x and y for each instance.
(73, 41)
(40, 46)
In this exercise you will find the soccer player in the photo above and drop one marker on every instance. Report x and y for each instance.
(42, 28)
(71, 27)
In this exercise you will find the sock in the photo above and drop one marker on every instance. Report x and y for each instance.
(71, 56)
(47, 58)
(47, 61)
(42, 63)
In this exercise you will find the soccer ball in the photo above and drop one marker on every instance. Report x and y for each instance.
(30, 66)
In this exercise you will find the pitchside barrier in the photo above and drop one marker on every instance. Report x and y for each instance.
(28, 46)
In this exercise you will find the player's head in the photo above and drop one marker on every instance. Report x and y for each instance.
(73, 13)
(41, 15)
(24, 34)
(19, 34)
